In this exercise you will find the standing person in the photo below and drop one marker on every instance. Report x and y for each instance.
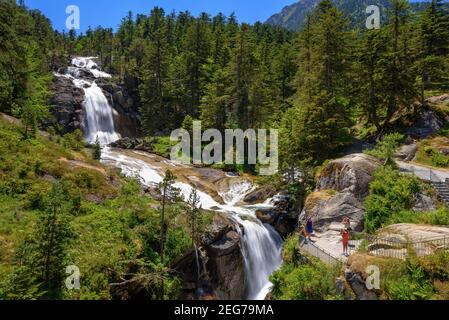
(345, 240)
(309, 228)
(347, 223)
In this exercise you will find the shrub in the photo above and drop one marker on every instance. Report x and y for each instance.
(75, 140)
(313, 281)
(438, 217)
(390, 192)
(386, 148)
(415, 286)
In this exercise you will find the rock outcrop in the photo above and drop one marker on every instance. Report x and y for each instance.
(407, 152)
(133, 144)
(427, 124)
(357, 283)
(225, 265)
(66, 102)
(259, 195)
(341, 188)
(281, 216)
(66, 105)
(124, 103)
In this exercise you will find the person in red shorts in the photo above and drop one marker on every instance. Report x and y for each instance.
(345, 238)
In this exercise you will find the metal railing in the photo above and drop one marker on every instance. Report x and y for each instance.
(395, 248)
(318, 252)
(425, 175)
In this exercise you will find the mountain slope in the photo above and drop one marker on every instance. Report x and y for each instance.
(292, 16)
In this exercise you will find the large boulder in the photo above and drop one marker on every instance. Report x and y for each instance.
(333, 208)
(259, 195)
(427, 124)
(279, 215)
(352, 173)
(341, 188)
(225, 265)
(407, 152)
(133, 144)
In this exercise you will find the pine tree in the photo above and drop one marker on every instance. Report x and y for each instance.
(169, 195)
(193, 215)
(154, 75)
(97, 149)
(322, 82)
(242, 68)
(215, 104)
(433, 46)
(197, 51)
(44, 254)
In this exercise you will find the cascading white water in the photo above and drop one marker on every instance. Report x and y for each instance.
(262, 248)
(261, 244)
(100, 120)
(99, 113)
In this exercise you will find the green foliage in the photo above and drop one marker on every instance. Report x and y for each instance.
(436, 266)
(415, 286)
(97, 150)
(386, 148)
(313, 281)
(389, 193)
(44, 253)
(75, 140)
(438, 217)
(118, 236)
(429, 154)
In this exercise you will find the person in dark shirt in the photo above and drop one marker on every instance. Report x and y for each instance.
(309, 228)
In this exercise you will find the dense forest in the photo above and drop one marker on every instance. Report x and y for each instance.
(314, 85)
(322, 87)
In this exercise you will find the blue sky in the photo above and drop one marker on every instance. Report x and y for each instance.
(108, 13)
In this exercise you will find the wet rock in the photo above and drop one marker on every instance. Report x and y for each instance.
(118, 96)
(225, 263)
(268, 216)
(286, 225)
(133, 144)
(220, 226)
(225, 245)
(259, 195)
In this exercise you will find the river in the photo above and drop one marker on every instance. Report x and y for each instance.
(261, 245)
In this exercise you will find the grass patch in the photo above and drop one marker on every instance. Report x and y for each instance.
(429, 152)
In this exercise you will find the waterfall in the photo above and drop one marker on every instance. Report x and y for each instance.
(99, 122)
(261, 245)
(99, 116)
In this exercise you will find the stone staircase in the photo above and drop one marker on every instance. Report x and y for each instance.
(443, 190)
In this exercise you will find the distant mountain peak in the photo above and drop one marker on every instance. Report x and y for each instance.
(292, 16)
